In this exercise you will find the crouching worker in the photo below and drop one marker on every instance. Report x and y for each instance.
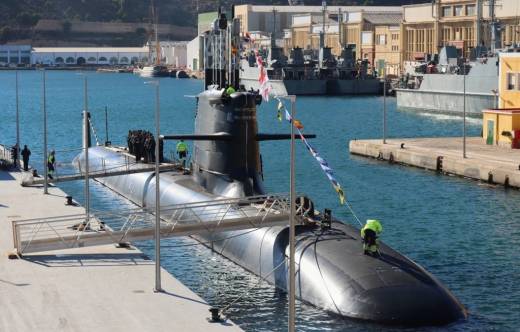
(370, 234)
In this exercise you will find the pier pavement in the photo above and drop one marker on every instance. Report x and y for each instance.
(100, 288)
(489, 163)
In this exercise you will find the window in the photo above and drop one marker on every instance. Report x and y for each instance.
(458, 10)
(381, 39)
(124, 60)
(366, 38)
(59, 60)
(395, 48)
(91, 59)
(395, 36)
(470, 10)
(511, 81)
(446, 11)
(102, 59)
(3, 56)
(70, 60)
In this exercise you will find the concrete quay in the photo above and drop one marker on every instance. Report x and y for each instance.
(488, 163)
(100, 288)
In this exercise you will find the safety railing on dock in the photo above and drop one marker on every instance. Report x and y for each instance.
(63, 232)
(6, 158)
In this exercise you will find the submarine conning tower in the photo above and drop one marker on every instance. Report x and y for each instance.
(226, 159)
(229, 164)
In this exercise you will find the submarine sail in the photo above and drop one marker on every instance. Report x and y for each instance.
(332, 271)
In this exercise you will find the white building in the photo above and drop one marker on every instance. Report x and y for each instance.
(194, 54)
(174, 53)
(89, 55)
(15, 54)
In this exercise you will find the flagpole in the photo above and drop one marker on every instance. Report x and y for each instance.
(292, 197)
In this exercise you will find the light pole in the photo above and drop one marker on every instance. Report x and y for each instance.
(157, 287)
(106, 126)
(86, 145)
(384, 103)
(44, 102)
(17, 119)
(292, 232)
(464, 115)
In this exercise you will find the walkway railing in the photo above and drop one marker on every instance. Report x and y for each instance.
(63, 232)
(5, 156)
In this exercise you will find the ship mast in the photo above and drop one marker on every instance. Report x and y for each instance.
(322, 34)
(156, 28)
(495, 33)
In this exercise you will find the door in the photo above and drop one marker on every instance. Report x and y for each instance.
(490, 132)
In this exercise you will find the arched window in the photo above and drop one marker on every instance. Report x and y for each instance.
(134, 60)
(70, 60)
(91, 60)
(102, 59)
(59, 60)
(123, 60)
(144, 59)
(113, 60)
(81, 61)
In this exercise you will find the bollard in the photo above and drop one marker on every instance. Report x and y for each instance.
(490, 178)
(215, 315)
(69, 200)
(439, 163)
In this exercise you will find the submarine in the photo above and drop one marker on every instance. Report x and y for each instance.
(332, 271)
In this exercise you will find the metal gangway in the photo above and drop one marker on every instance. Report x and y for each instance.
(122, 227)
(106, 171)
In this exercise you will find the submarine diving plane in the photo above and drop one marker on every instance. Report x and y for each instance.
(332, 272)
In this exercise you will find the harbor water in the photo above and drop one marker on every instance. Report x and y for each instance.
(464, 232)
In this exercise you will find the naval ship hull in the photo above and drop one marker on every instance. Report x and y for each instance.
(445, 92)
(444, 101)
(332, 271)
(317, 87)
(282, 87)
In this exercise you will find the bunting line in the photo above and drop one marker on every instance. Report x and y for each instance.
(329, 172)
(265, 91)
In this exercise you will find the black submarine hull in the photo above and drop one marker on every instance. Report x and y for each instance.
(332, 271)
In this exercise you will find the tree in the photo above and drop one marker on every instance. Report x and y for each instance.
(5, 33)
(66, 27)
(27, 19)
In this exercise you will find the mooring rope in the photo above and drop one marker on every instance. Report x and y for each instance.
(353, 213)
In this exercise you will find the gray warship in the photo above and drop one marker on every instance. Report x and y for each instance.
(306, 73)
(447, 85)
(332, 272)
(300, 76)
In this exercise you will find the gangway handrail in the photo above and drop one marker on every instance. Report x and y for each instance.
(69, 231)
(217, 201)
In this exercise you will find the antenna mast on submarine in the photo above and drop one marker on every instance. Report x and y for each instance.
(221, 62)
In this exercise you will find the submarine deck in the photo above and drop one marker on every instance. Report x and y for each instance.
(82, 289)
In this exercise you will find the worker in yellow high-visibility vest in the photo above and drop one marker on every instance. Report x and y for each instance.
(182, 152)
(370, 234)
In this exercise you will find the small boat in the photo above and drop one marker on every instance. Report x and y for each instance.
(153, 71)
